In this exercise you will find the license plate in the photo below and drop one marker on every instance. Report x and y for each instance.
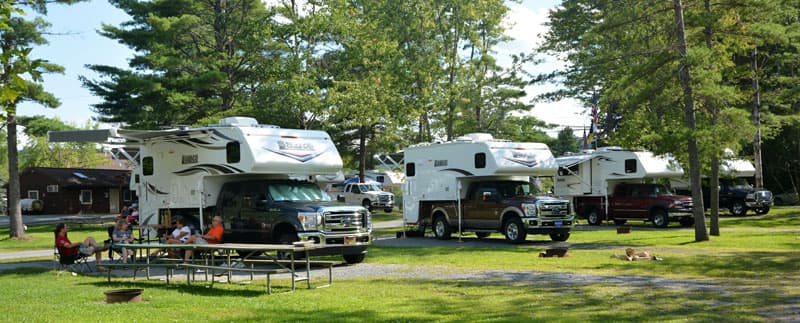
(559, 223)
(349, 240)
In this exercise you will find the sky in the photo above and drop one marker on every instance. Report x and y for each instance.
(75, 43)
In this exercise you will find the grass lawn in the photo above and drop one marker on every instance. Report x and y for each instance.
(748, 273)
(41, 236)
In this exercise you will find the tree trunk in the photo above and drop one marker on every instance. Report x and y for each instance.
(700, 233)
(714, 198)
(714, 182)
(362, 154)
(759, 180)
(14, 212)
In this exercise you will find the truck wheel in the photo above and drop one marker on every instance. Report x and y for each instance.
(440, 228)
(387, 210)
(367, 204)
(354, 259)
(687, 221)
(482, 235)
(660, 219)
(762, 210)
(285, 237)
(593, 216)
(560, 236)
(738, 208)
(514, 231)
(620, 221)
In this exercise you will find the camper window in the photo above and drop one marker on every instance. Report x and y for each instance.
(630, 166)
(480, 160)
(411, 169)
(232, 152)
(147, 166)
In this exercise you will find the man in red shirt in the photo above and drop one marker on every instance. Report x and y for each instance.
(213, 236)
(69, 249)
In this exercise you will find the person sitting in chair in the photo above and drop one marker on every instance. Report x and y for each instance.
(86, 247)
(181, 233)
(121, 234)
(213, 236)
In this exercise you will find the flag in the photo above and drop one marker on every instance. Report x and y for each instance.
(585, 141)
(595, 120)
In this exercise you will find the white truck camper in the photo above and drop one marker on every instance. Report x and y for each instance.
(260, 178)
(611, 183)
(479, 184)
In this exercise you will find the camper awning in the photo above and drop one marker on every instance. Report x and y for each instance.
(569, 161)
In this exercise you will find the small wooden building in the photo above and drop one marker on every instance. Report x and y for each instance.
(77, 190)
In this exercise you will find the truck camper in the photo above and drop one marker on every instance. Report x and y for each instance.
(261, 179)
(480, 184)
(612, 183)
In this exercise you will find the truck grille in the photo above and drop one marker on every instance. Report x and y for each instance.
(384, 198)
(559, 209)
(343, 221)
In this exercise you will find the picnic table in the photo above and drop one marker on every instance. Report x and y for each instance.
(227, 265)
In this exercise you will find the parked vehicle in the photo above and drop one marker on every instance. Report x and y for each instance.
(648, 202)
(787, 198)
(369, 194)
(481, 185)
(260, 178)
(608, 184)
(738, 196)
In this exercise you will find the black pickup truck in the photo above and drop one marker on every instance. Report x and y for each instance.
(738, 196)
(284, 211)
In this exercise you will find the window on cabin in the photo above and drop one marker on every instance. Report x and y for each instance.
(33, 194)
(630, 166)
(480, 160)
(233, 152)
(411, 169)
(86, 197)
(147, 166)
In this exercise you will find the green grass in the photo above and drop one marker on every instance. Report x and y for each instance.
(37, 295)
(41, 236)
(751, 267)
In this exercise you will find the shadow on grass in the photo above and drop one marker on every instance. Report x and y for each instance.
(200, 288)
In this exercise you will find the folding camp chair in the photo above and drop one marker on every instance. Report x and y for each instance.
(71, 262)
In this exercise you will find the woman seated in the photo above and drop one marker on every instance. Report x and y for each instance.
(121, 234)
(67, 248)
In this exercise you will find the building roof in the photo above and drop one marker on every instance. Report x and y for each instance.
(82, 177)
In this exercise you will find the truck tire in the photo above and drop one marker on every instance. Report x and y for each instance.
(387, 210)
(367, 204)
(687, 221)
(620, 221)
(514, 231)
(285, 237)
(482, 235)
(738, 208)
(559, 236)
(593, 217)
(354, 259)
(440, 228)
(659, 218)
(761, 210)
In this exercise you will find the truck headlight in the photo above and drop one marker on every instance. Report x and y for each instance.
(309, 220)
(530, 209)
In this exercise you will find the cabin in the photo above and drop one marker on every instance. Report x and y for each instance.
(77, 190)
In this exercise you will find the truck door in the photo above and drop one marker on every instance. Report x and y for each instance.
(483, 207)
(256, 213)
(621, 204)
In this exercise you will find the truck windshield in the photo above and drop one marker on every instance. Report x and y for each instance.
(659, 190)
(514, 189)
(368, 187)
(296, 192)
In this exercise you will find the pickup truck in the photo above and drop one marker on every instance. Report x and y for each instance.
(738, 196)
(506, 206)
(368, 195)
(648, 202)
(285, 211)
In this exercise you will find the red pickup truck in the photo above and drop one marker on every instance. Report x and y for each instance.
(648, 202)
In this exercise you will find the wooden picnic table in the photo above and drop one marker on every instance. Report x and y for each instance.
(284, 265)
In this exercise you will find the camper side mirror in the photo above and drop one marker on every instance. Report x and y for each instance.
(340, 198)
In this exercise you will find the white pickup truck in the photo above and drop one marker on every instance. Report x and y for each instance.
(369, 195)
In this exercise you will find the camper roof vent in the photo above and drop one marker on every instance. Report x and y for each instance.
(611, 148)
(238, 122)
(478, 136)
